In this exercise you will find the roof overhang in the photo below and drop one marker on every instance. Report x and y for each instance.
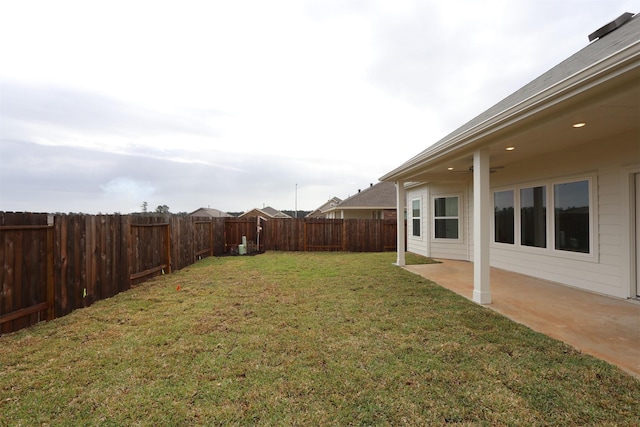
(605, 95)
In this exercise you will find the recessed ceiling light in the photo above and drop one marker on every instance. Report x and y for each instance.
(579, 125)
(510, 148)
(449, 169)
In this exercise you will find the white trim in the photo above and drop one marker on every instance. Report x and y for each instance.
(420, 218)
(628, 232)
(481, 220)
(432, 211)
(468, 221)
(592, 256)
(401, 200)
(636, 291)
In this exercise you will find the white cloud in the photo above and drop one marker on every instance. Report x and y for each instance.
(128, 190)
(230, 104)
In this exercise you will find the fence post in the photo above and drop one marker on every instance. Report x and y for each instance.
(169, 248)
(211, 236)
(126, 253)
(50, 269)
(305, 236)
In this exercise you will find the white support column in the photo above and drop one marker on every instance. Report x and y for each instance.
(481, 222)
(400, 202)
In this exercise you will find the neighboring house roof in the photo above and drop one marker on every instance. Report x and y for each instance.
(379, 196)
(210, 213)
(327, 205)
(268, 212)
(597, 64)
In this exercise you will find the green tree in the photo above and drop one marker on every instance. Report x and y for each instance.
(162, 209)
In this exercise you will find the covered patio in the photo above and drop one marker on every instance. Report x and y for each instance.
(605, 327)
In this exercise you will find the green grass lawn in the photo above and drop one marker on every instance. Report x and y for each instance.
(301, 339)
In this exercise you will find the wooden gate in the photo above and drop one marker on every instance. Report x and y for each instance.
(324, 235)
(235, 228)
(151, 250)
(27, 276)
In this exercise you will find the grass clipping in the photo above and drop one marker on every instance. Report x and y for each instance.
(301, 339)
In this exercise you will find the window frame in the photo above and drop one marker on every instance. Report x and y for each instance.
(515, 194)
(550, 249)
(419, 218)
(593, 228)
(459, 217)
(547, 221)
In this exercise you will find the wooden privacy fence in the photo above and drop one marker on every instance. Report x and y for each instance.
(348, 235)
(52, 265)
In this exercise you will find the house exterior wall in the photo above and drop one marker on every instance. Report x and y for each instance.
(389, 214)
(427, 243)
(607, 163)
(609, 166)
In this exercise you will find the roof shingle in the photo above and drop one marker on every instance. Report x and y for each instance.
(380, 195)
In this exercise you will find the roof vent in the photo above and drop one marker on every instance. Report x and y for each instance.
(611, 26)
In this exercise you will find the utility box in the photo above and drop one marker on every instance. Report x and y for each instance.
(242, 249)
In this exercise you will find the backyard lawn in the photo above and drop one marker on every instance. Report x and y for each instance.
(305, 339)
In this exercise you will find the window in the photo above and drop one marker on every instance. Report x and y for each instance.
(571, 216)
(503, 202)
(416, 217)
(533, 217)
(556, 216)
(446, 217)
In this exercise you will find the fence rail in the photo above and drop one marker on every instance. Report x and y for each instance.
(52, 265)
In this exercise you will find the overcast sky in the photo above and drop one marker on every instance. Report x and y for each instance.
(105, 105)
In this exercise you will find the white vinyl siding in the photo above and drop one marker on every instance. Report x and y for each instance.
(551, 263)
(439, 248)
(604, 269)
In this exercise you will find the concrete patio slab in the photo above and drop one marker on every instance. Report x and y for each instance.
(604, 327)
